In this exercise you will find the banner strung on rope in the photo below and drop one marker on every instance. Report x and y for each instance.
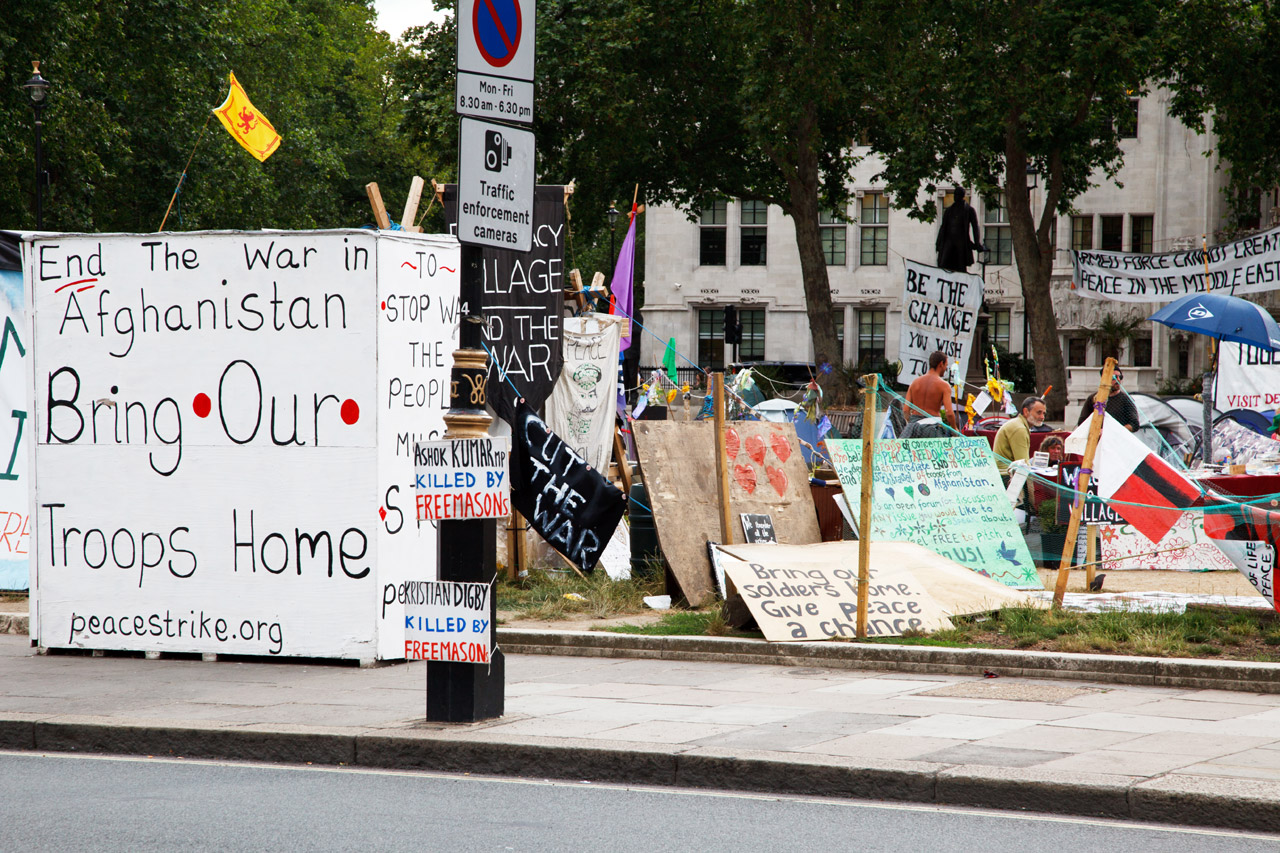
(1251, 265)
(940, 314)
(584, 401)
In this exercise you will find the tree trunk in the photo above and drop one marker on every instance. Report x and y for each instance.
(802, 184)
(1035, 267)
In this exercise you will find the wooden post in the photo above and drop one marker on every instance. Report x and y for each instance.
(872, 382)
(1082, 482)
(722, 458)
(411, 205)
(1090, 554)
(620, 456)
(379, 209)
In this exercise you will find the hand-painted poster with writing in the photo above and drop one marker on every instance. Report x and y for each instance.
(223, 436)
(523, 305)
(15, 383)
(583, 405)
(1185, 548)
(1249, 265)
(462, 478)
(1248, 377)
(448, 621)
(940, 313)
(944, 494)
(568, 503)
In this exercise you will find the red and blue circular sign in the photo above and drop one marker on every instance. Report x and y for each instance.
(497, 25)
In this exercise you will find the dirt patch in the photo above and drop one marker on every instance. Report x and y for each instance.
(1201, 583)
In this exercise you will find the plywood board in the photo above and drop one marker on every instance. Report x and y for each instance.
(767, 475)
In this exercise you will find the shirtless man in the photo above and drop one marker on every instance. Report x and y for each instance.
(931, 393)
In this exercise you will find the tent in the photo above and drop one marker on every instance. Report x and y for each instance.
(1256, 421)
(1164, 429)
(777, 410)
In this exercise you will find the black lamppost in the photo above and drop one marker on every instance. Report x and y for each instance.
(38, 87)
(613, 218)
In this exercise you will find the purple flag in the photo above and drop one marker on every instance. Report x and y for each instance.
(623, 285)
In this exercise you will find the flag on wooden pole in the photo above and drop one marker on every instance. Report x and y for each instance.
(623, 283)
(249, 126)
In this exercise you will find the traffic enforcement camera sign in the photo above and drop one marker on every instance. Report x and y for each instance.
(495, 186)
(495, 59)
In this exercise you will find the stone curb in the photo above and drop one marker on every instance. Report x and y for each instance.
(1244, 676)
(1231, 804)
(14, 623)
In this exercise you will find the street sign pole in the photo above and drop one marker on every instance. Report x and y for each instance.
(495, 208)
(465, 692)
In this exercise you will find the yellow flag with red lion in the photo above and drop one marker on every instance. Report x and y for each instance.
(249, 126)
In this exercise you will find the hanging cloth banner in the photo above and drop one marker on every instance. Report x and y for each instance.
(566, 501)
(583, 404)
(1248, 378)
(940, 314)
(1251, 265)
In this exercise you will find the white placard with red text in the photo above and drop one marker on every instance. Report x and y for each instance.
(463, 478)
(448, 621)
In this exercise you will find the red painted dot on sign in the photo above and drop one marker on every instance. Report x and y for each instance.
(384, 306)
(350, 412)
(202, 405)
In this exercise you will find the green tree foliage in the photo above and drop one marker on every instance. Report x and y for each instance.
(133, 86)
(982, 90)
(1222, 61)
(756, 100)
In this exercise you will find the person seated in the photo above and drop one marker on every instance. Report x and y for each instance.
(1013, 441)
(1119, 404)
(1054, 447)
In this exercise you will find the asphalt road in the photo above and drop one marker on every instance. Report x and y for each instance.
(60, 802)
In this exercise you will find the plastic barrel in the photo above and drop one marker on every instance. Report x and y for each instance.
(644, 535)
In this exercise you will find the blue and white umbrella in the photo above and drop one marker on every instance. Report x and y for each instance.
(1226, 318)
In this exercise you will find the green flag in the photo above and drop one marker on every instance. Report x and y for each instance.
(669, 361)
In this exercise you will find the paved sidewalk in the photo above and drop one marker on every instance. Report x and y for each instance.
(1172, 755)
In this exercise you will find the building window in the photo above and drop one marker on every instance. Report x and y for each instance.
(752, 346)
(1001, 320)
(997, 236)
(711, 338)
(753, 234)
(1082, 233)
(1127, 123)
(1112, 233)
(839, 320)
(832, 234)
(1142, 233)
(711, 234)
(1077, 352)
(870, 352)
(1053, 240)
(1184, 364)
(875, 230)
(1141, 351)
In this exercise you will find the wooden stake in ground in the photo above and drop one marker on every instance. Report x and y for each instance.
(379, 209)
(620, 456)
(722, 458)
(1090, 554)
(1082, 482)
(872, 382)
(411, 205)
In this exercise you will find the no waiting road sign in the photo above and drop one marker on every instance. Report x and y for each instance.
(495, 59)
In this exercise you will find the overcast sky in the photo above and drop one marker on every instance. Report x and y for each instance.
(396, 16)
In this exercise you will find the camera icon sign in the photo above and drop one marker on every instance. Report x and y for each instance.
(497, 151)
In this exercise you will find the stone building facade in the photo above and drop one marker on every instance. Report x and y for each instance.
(744, 254)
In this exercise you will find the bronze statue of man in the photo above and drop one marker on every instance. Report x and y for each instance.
(955, 249)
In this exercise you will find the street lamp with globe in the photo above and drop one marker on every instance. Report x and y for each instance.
(38, 89)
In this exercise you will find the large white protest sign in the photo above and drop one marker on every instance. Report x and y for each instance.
(1250, 265)
(15, 486)
(448, 621)
(462, 478)
(940, 313)
(584, 402)
(1248, 377)
(224, 427)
